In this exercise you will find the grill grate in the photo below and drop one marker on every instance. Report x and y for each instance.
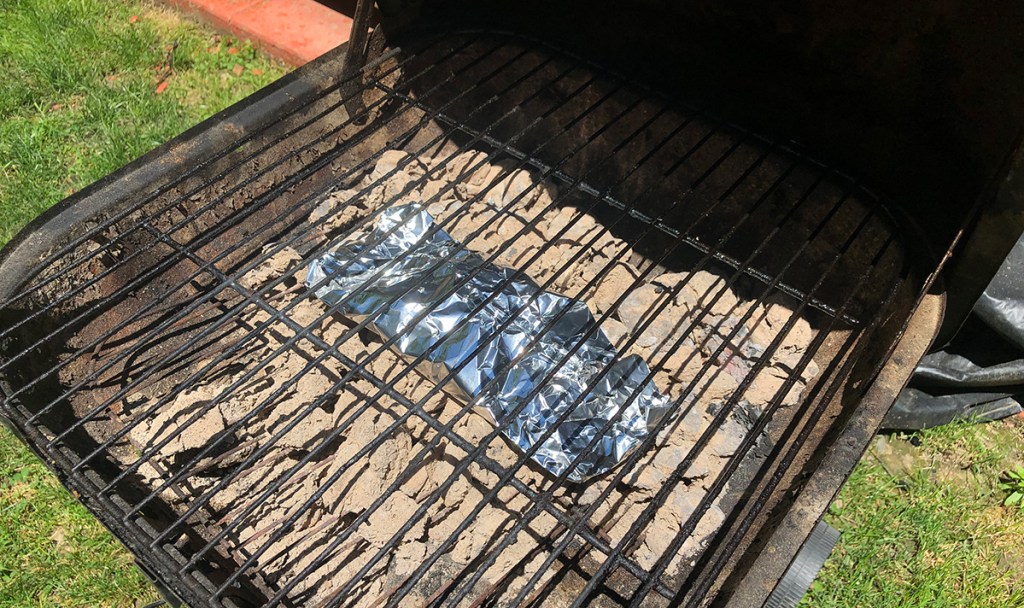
(139, 309)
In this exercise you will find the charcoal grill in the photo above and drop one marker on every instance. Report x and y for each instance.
(134, 293)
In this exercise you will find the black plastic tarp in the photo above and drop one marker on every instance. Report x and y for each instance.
(980, 373)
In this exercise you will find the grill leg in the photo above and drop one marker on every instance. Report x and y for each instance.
(355, 55)
(169, 599)
(805, 567)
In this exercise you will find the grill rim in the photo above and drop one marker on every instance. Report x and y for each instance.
(252, 113)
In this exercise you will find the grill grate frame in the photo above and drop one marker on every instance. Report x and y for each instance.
(217, 270)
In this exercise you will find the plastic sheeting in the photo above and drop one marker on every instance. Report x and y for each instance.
(980, 373)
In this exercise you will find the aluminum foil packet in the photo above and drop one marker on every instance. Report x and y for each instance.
(503, 349)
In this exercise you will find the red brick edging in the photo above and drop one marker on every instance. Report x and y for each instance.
(295, 31)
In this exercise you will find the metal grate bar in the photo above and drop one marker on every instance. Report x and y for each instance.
(593, 443)
(371, 399)
(809, 421)
(466, 461)
(748, 442)
(540, 112)
(342, 590)
(166, 264)
(636, 214)
(207, 297)
(279, 316)
(96, 231)
(583, 517)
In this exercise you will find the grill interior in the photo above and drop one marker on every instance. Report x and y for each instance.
(199, 285)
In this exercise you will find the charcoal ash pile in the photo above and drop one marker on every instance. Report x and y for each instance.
(374, 493)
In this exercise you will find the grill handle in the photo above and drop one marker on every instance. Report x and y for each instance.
(355, 55)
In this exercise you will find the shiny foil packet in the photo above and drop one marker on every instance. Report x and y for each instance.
(503, 349)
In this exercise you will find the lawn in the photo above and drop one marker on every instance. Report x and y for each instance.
(924, 525)
(88, 86)
(91, 84)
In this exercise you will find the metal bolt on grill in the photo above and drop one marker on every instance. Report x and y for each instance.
(176, 368)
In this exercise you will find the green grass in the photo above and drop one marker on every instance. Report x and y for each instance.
(927, 527)
(78, 99)
(52, 551)
(79, 94)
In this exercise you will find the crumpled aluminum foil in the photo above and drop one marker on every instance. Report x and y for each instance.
(396, 266)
